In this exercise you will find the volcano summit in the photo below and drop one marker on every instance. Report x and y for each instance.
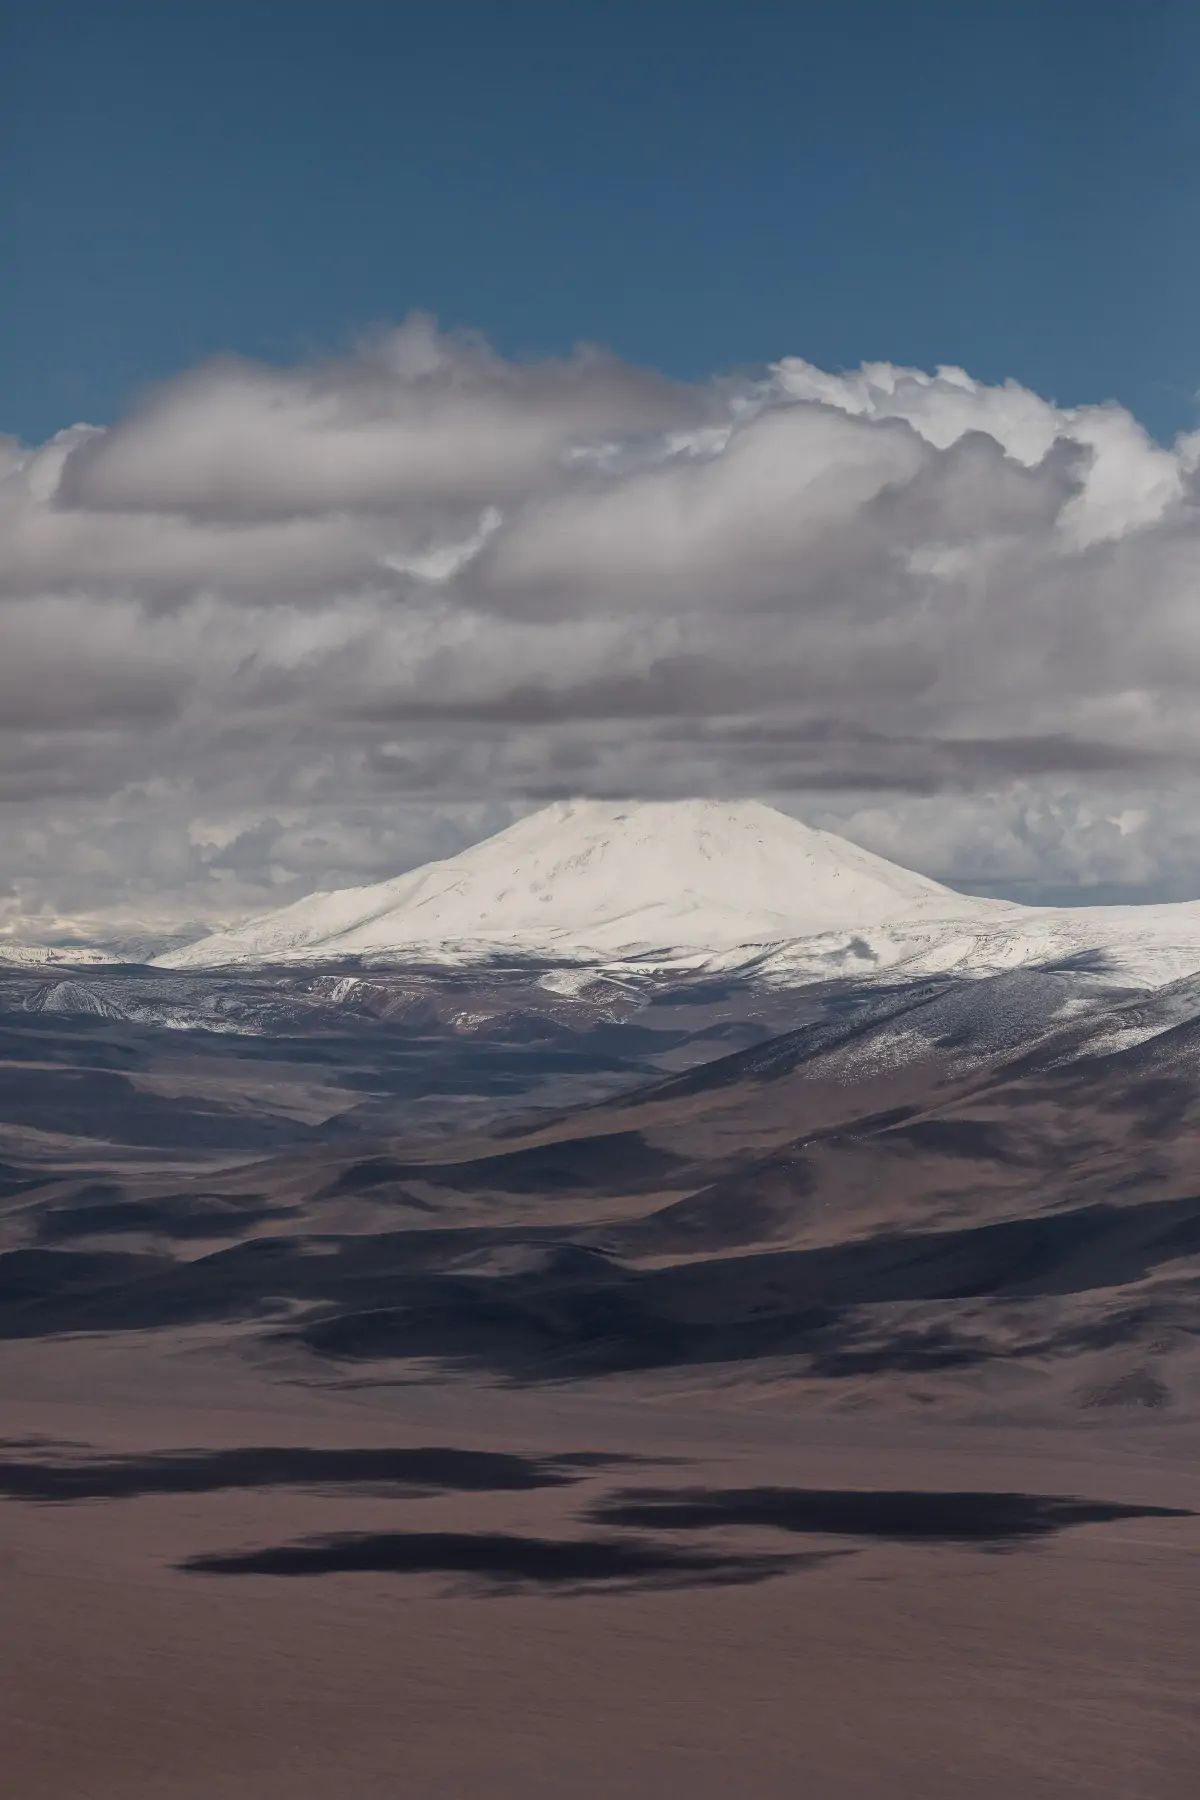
(592, 879)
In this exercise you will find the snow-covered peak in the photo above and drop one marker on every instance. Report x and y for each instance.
(593, 877)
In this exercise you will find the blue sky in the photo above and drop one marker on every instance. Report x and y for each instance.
(1003, 185)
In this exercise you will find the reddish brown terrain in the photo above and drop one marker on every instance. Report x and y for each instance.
(528, 1399)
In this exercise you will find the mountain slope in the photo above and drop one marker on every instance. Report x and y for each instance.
(977, 1193)
(599, 878)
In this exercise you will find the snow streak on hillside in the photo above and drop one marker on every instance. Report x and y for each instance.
(28, 956)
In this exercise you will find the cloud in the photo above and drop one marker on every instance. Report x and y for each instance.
(413, 420)
(421, 577)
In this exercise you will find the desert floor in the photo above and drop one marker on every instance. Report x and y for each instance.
(1053, 1665)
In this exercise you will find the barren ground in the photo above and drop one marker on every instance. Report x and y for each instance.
(1048, 1663)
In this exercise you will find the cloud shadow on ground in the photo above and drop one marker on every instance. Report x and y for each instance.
(899, 1515)
(429, 1469)
(502, 1562)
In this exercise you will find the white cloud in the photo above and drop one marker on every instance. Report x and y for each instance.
(413, 420)
(1130, 481)
(424, 574)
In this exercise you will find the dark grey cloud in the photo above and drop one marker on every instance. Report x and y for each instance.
(275, 604)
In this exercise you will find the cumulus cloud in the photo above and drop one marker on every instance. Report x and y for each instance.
(421, 577)
(413, 420)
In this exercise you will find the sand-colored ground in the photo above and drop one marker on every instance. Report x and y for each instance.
(1059, 1667)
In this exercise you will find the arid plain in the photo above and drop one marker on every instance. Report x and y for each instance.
(697, 1398)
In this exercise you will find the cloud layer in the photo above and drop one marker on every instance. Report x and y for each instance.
(283, 627)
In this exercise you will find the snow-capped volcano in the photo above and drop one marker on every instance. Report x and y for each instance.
(696, 884)
(590, 878)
